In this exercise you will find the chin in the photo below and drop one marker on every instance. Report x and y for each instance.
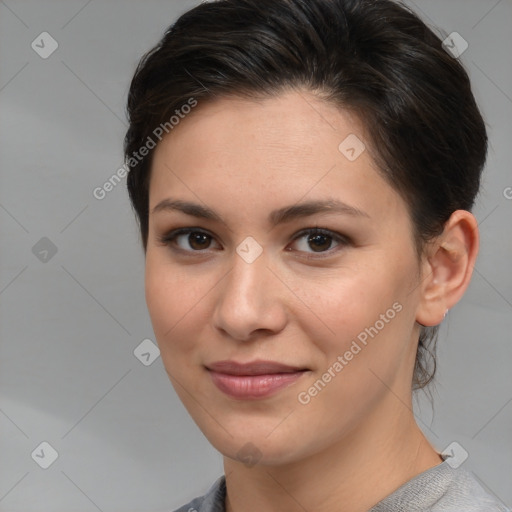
(262, 444)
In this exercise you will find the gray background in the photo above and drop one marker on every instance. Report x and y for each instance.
(70, 323)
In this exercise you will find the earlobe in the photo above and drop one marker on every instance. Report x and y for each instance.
(448, 267)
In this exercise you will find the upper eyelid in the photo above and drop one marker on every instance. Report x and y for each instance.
(174, 233)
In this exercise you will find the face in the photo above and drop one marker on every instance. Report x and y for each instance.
(280, 323)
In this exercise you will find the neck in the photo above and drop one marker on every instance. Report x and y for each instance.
(354, 473)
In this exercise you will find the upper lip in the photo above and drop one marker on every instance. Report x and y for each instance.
(258, 367)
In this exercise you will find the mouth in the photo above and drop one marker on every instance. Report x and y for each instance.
(254, 380)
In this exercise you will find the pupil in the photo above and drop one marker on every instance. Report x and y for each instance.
(317, 238)
(197, 238)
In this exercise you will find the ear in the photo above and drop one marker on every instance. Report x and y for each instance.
(447, 267)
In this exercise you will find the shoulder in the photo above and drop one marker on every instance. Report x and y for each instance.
(212, 501)
(466, 491)
(441, 489)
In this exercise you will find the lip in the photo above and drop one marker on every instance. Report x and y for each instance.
(253, 380)
(257, 367)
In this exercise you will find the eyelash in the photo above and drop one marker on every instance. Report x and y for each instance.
(343, 241)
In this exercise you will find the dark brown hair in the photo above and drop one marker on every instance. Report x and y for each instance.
(373, 57)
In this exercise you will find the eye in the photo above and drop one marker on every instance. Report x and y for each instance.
(319, 240)
(197, 240)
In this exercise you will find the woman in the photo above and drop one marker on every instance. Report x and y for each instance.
(303, 175)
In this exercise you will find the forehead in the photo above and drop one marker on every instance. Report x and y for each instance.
(270, 152)
(293, 123)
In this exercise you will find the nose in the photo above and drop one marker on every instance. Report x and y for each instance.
(250, 300)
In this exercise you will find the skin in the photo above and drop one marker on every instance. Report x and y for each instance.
(357, 440)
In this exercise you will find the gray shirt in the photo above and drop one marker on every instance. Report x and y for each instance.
(438, 489)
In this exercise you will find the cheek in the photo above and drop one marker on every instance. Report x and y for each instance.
(345, 303)
(173, 299)
(368, 350)
(365, 317)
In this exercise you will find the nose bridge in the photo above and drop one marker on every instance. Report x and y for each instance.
(246, 275)
(249, 300)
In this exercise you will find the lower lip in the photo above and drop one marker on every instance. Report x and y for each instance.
(249, 387)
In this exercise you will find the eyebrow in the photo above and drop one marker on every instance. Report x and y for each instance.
(279, 216)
